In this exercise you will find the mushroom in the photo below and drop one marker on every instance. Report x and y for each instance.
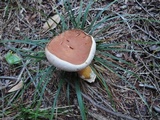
(73, 51)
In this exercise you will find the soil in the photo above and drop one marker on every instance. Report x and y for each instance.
(23, 20)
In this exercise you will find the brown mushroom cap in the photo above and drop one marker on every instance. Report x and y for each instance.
(72, 46)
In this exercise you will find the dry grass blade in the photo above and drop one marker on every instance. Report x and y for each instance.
(107, 110)
(97, 116)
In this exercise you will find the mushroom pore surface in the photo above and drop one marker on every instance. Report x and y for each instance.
(72, 46)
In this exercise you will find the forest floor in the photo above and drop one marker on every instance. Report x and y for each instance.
(23, 20)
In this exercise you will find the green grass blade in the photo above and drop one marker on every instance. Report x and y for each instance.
(104, 20)
(116, 58)
(106, 65)
(71, 13)
(41, 87)
(78, 19)
(99, 14)
(63, 25)
(110, 64)
(68, 94)
(80, 100)
(86, 14)
(113, 46)
(61, 82)
(101, 78)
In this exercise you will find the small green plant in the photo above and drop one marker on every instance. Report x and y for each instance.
(12, 58)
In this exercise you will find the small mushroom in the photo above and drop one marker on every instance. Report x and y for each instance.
(73, 51)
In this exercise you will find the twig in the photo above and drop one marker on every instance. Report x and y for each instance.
(145, 9)
(147, 33)
(157, 109)
(138, 109)
(8, 77)
(107, 110)
(125, 21)
(99, 97)
(157, 87)
(147, 86)
(97, 116)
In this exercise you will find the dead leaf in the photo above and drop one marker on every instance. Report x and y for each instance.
(52, 22)
(17, 87)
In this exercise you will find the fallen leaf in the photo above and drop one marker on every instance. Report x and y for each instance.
(17, 87)
(52, 22)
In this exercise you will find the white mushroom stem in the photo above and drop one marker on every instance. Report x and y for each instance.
(87, 74)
